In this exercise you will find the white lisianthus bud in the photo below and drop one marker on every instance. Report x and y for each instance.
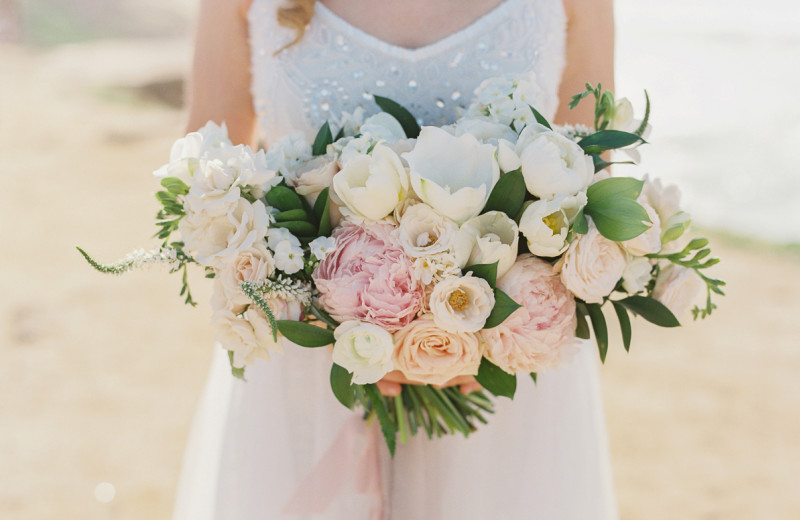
(423, 232)
(592, 266)
(552, 165)
(363, 349)
(648, 242)
(461, 303)
(678, 288)
(545, 223)
(454, 175)
(486, 239)
(371, 186)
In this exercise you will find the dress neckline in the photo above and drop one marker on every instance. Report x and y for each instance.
(418, 53)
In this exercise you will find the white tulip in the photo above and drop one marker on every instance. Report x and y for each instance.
(461, 303)
(545, 223)
(552, 165)
(507, 156)
(371, 186)
(486, 239)
(364, 349)
(454, 175)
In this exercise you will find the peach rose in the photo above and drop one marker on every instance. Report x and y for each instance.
(427, 354)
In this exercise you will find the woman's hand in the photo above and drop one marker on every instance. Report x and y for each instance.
(390, 384)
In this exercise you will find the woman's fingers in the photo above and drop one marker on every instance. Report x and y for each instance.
(389, 388)
(472, 386)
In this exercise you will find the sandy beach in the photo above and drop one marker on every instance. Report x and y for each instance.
(99, 376)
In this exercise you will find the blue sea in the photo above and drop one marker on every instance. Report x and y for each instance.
(724, 80)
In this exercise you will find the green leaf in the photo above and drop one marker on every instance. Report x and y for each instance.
(322, 140)
(342, 385)
(339, 134)
(580, 225)
(504, 306)
(619, 220)
(399, 112)
(600, 328)
(508, 194)
(608, 140)
(323, 316)
(388, 427)
(283, 198)
(643, 126)
(238, 373)
(496, 380)
(486, 271)
(582, 330)
(650, 309)
(600, 164)
(304, 334)
(322, 211)
(533, 376)
(175, 186)
(614, 188)
(292, 214)
(299, 228)
(624, 325)
(540, 118)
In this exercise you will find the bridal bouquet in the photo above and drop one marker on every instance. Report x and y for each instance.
(484, 248)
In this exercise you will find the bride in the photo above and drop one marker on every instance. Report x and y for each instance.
(277, 445)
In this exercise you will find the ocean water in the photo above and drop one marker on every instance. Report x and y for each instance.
(724, 81)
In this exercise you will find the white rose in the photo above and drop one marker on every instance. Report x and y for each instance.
(648, 242)
(486, 239)
(484, 130)
(383, 127)
(636, 275)
(364, 349)
(322, 247)
(249, 337)
(313, 176)
(187, 151)
(454, 175)
(371, 186)
(254, 263)
(552, 164)
(592, 266)
(545, 223)
(424, 232)
(461, 303)
(212, 190)
(678, 288)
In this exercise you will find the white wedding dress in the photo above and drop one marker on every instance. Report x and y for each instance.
(542, 456)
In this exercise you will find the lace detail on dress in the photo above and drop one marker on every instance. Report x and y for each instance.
(337, 67)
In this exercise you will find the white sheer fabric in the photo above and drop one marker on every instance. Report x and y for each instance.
(542, 456)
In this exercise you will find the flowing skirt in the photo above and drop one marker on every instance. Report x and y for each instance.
(253, 444)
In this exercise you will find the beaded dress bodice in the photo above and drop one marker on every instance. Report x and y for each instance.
(337, 67)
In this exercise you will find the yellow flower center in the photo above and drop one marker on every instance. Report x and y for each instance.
(553, 222)
(458, 300)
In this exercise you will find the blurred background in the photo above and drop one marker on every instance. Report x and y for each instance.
(99, 377)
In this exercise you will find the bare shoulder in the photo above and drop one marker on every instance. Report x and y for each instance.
(587, 8)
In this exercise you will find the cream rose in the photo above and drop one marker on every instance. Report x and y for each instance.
(552, 165)
(486, 239)
(427, 354)
(592, 266)
(371, 186)
(254, 263)
(545, 223)
(650, 241)
(461, 303)
(249, 337)
(364, 349)
(424, 232)
(678, 288)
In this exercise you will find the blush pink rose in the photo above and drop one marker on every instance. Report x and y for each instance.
(368, 277)
(427, 354)
(541, 333)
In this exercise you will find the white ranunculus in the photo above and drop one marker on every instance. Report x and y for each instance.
(545, 223)
(486, 239)
(648, 242)
(371, 186)
(383, 127)
(507, 156)
(636, 275)
(484, 130)
(461, 303)
(254, 263)
(364, 349)
(322, 247)
(422, 231)
(678, 288)
(592, 266)
(454, 175)
(187, 151)
(552, 164)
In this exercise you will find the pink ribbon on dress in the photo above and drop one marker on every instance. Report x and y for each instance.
(353, 457)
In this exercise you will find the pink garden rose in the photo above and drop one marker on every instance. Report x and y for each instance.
(541, 333)
(368, 277)
(427, 354)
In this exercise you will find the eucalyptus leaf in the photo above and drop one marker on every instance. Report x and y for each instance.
(504, 306)
(322, 140)
(600, 328)
(342, 385)
(486, 271)
(650, 309)
(399, 112)
(496, 380)
(508, 194)
(304, 334)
